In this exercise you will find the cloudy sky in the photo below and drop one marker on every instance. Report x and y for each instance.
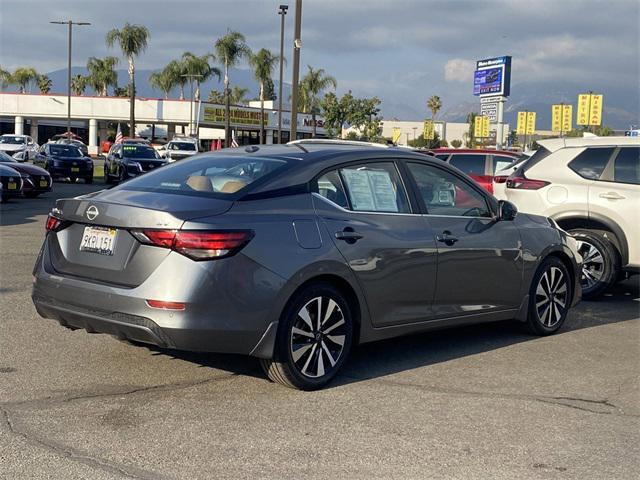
(403, 51)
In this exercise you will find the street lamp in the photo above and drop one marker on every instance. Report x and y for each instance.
(297, 44)
(70, 23)
(282, 12)
(191, 76)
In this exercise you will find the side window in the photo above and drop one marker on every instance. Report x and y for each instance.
(375, 187)
(442, 156)
(330, 187)
(471, 164)
(627, 167)
(501, 161)
(446, 194)
(590, 163)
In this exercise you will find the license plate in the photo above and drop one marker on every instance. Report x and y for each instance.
(43, 183)
(12, 186)
(75, 169)
(98, 240)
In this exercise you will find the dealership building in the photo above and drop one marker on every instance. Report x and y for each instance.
(42, 116)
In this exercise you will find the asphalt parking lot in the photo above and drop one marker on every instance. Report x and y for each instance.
(487, 402)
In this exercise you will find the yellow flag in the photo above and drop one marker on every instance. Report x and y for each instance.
(485, 126)
(521, 127)
(428, 131)
(567, 118)
(556, 118)
(477, 127)
(583, 109)
(396, 134)
(595, 110)
(531, 123)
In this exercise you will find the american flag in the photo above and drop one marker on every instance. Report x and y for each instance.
(234, 142)
(119, 136)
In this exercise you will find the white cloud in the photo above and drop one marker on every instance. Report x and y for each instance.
(459, 70)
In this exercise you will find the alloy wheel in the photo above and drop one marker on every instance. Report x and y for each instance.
(317, 337)
(592, 264)
(551, 297)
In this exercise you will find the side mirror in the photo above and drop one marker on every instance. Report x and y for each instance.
(506, 210)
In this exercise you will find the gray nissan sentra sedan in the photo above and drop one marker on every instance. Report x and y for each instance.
(296, 253)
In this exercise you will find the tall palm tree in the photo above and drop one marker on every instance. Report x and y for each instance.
(78, 84)
(238, 95)
(434, 104)
(174, 70)
(23, 76)
(263, 63)
(133, 40)
(195, 65)
(313, 83)
(5, 78)
(102, 74)
(44, 84)
(230, 49)
(162, 81)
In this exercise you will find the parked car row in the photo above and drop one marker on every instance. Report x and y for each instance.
(22, 179)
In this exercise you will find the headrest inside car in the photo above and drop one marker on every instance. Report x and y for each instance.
(200, 183)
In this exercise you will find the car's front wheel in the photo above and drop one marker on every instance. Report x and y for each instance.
(550, 297)
(600, 264)
(314, 338)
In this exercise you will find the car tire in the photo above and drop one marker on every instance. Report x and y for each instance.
(121, 175)
(309, 352)
(601, 263)
(550, 297)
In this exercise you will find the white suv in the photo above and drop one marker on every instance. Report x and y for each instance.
(591, 187)
(180, 147)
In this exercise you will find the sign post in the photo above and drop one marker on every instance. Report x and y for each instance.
(492, 79)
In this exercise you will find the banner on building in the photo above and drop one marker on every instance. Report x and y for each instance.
(237, 116)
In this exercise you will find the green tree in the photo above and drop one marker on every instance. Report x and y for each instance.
(174, 70)
(456, 143)
(123, 92)
(162, 81)
(359, 113)
(312, 85)
(470, 138)
(199, 66)
(5, 78)
(44, 84)
(238, 95)
(23, 77)
(336, 111)
(102, 74)
(434, 104)
(133, 40)
(216, 97)
(270, 91)
(230, 49)
(421, 142)
(263, 63)
(78, 84)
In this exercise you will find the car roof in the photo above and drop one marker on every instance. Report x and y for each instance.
(553, 144)
(485, 151)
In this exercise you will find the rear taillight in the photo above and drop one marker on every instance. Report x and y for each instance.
(500, 179)
(520, 182)
(195, 244)
(54, 224)
(166, 305)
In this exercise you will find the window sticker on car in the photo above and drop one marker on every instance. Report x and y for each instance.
(371, 190)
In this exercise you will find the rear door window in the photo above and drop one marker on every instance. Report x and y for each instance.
(330, 187)
(375, 187)
(471, 164)
(590, 163)
(627, 166)
(502, 161)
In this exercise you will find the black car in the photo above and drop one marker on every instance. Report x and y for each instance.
(10, 183)
(130, 160)
(65, 161)
(35, 180)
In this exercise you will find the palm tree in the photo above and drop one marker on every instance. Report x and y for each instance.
(78, 84)
(102, 74)
(312, 84)
(162, 81)
(230, 49)
(199, 66)
(434, 104)
(216, 97)
(23, 76)
(44, 84)
(263, 64)
(133, 40)
(238, 95)
(174, 70)
(5, 78)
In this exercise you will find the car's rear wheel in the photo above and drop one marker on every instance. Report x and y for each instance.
(314, 338)
(600, 263)
(550, 297)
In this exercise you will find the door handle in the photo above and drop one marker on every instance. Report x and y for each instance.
(611, 196)
(446, 238)
(349, 235)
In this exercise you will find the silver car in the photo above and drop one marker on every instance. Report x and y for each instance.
(296, 253)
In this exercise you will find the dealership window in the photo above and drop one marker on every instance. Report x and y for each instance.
(590, 163)
(446, 194)
(471, 164)
(627, 167)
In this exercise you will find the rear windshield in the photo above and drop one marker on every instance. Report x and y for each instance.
(182, 146)
(138, 151)
(65, 150)
(13, 140)
(214, 175)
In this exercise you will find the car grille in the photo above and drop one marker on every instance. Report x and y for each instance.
(146, 166)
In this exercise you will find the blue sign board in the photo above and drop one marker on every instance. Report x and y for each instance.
(492, 77)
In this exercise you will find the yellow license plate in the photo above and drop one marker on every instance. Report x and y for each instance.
(43, 183)
(12, 186)
(75, 169)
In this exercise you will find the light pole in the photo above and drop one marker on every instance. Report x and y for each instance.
(191, 76)
(70, 23)
(297, 44)
(282, 12)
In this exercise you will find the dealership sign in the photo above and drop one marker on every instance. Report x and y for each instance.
(237, 116)
(492, 77)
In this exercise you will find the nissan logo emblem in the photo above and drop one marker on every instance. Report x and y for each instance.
(92, 212)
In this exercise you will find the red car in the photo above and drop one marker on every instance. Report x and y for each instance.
(480, 165)
(35, 180)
